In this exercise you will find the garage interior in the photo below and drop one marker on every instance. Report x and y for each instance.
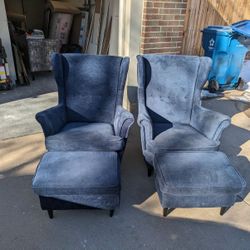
(37, 29)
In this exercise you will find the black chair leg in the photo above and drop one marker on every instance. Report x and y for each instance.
(150, 170)
(167, 211)
(223, 210)
(111, 212)
(50, 213)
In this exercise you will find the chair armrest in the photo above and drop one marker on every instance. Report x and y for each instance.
(145, 123)
(208, 122)
(122, 122)
(52, 119)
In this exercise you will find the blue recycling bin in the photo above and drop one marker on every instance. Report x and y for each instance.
(225, 45)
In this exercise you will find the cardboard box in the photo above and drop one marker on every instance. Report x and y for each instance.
(62, 7)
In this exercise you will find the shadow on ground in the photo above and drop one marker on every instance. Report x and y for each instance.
(138, 223)
(43, 84)
(19, 106)
(235, 141)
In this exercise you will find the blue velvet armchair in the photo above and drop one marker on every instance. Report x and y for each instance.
(89, 115)
(171, 117)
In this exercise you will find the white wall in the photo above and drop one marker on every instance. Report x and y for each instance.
(130, 16)
(129, 42)
(113, 50)
(5, 36)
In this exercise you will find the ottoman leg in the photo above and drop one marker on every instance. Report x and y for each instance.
(50, 212)
(111, 212)
(223, 210)
(167, 211)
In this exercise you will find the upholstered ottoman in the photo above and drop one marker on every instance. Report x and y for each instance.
(72, 180)
(196, 179)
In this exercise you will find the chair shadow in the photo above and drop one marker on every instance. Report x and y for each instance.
(43, 84)
(234, 137)
(131, 226)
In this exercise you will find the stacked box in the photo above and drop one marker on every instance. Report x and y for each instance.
(40, 52)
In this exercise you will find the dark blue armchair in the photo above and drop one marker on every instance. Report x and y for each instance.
(89, 115)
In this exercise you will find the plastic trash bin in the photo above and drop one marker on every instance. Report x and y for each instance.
(227, 46)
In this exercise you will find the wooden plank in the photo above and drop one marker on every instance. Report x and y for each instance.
(106, 42)
(105, 30)
(62, 7)
(100, 27)
(91, 26)
(201, 13)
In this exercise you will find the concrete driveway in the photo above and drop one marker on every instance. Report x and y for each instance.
(138, 223)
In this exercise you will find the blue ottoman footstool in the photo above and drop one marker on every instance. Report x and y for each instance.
(73, 180)
(196, 179)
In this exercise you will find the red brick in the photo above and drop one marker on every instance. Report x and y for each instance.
(156, 39)
(163, 26)
(181, 5)
(169, 11)
(151, 17)
(158, 5)
(179, 17)
(154, 34)
(183, 11)
(169, 5)
(150, 22)
(167, 28)
(155, 45)
(151, 28)
(151, 11)
(163, 50)
(177, 39)
(148, 4)
(174, 33)
(168, 22)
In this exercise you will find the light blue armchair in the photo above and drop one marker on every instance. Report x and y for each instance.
(171, 117)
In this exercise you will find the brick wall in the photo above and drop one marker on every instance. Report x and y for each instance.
(162, 26)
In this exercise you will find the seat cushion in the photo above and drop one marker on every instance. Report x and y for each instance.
(77, 176)
(181, 138)
(85, 137)
(196, 179)
(72, 173)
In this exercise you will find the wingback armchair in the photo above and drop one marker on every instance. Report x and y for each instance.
(89, 115)
(171, 117)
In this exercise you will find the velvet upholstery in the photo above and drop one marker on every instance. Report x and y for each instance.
(181, 137)
(90, 90)
(80, 136)
(170, 113)
(196, 179)
(87, 178)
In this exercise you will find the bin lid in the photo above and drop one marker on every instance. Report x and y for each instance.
(242, 27)
(219, 30)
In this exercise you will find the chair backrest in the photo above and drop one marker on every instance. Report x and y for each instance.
(170, 85)
(90, 86)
